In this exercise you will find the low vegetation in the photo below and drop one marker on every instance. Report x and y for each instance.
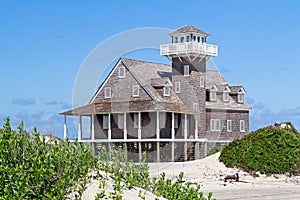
(32, 169)
(270, 150)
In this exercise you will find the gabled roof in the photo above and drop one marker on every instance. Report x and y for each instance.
(189, 29)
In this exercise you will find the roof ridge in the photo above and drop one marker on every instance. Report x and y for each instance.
(123, 58)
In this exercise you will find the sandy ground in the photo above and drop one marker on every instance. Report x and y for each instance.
(210, 173)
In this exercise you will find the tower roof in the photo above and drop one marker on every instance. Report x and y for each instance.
(189, 29)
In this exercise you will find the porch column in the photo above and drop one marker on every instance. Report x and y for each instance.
(185, 126)
(140, 152)
(65, 127)
(79, 128)
(173, 152)
(139, 126)
(196, 128)
(173, 129)
(157, 126)
(157, 137)
(125, 128)
(109, 127)
(93, 126)
(197, 151)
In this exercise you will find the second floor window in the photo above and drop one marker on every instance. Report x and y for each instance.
(215, 125)
(229, 126)
(226, 96)
(135, 90)
(186, 70)
(242, 126)
(107, 92)
(177, 87)
(213, 95)
(241, 97)
(167, 91)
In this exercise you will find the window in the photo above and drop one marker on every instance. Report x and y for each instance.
(187, 38)
(225, 96)
(135, 120)
(198, 39)
(186, 70)
(213, 95)
(194, 38)
(229, 126)
(241, 97)
(162, 120)
(182, 39)
(175, 120)
(105, 122)
(122, 72)
(121, 121)
(167, 91)
(135, 90)
(242, 126)
(177, 87)
(195, 106)
(175, 39)
(215, 125)
(202, 81)
(107, 92)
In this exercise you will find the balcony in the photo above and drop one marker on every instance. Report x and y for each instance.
(191, 48)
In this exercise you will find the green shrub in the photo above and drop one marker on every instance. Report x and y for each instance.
(32, 169)
(270, 150)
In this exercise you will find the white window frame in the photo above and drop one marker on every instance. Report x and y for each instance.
(175, 39)
(225, 96)
(181, 39)
(202, 80)
(135, 90)
(107, 93)
(167, 91)
(229, 126)
(213, 95)
(195, 106)
(215, 125)
(136, 120)
(186, 70)
(162, 119)
(177, 87)
(121, 121)
(240, 97)
(242, 125)
(105, 121)
(121, 72)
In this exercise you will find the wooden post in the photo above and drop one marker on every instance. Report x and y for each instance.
(139, 126)
(109, 127)
(65, 127)
(157, 126)
(93, 126)
(125, 128)
(79, 128)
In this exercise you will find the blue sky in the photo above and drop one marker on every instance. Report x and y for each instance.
(43, 44)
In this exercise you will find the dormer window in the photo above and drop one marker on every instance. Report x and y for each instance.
(167, 91)
(122, 72)
(186, 70)
(213, 95)
(225, 96)
(241, 97)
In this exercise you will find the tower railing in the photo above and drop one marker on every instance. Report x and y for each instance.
(188, 48)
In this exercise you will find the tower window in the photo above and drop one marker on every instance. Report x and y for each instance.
(181, 39)
(187, 38)
(175, 39)
(135, 91)
(202, 81)
(167, 91)
(195, 106)
(107, 93)
(198, 39)
(177, 87)
(122, 72)
(242, 126)
(186, 70)
(229, 126)
(202, 39)
(194, 38)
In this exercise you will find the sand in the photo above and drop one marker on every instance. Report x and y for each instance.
(210, 173)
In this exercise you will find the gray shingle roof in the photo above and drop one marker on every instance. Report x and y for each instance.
(189, 29)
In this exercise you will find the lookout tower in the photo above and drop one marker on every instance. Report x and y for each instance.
(189, 53)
